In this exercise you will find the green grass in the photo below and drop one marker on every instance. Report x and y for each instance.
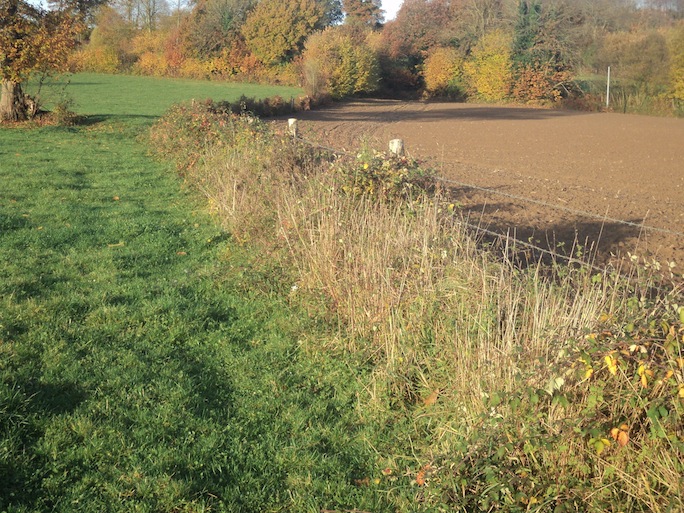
(137, 372)
(144, 98)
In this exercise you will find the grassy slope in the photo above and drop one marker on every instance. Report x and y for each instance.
(133, 377)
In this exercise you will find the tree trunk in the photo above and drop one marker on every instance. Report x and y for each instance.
(12, 102)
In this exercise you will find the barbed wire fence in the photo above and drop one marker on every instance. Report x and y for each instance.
(507, 239)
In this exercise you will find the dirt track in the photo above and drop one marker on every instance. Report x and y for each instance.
(615, 166)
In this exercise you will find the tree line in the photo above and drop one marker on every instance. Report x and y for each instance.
(538, 51)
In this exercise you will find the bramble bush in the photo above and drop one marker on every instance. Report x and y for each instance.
(385, 177)
(187, 131)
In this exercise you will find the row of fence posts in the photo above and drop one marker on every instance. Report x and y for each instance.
(396, 146)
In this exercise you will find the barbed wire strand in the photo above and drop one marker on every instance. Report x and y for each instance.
(505, 237)
(573, 211)
(561, 207)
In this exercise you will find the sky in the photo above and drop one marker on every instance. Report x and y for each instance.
(391, 7)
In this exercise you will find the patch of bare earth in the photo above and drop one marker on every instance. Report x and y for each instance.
(612, 166)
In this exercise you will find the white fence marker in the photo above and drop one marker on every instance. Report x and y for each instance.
(396, 147)
(292, 126)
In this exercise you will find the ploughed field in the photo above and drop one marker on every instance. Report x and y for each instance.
(616, 167)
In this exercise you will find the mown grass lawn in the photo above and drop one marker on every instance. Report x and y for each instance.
(136, 374)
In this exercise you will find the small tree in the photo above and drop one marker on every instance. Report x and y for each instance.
(31, 40)
(442, 72)
(677, 64)
(276, 29)
(339, 62)
(489, 67)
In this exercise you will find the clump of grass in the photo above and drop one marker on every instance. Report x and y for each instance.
(511, 389)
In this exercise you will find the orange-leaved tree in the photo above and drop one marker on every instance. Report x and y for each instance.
(442, 72)
(31, 40)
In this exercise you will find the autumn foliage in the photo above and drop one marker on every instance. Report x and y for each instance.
(31, 40)
(489, 71)
(443, 73)
(339, 62)
(528, 51)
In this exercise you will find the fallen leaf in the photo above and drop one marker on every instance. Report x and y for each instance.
(623, 438)
(432, 398)
(362, 482)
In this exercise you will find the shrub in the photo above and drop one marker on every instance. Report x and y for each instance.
(63, 113)
(95, 59)
(489, 67)
(442, 72)
(538, 82)
(383, 177)
(187, 131)
(339, 63)
(152, 63)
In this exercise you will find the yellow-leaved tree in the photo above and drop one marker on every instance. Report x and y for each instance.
(340, 62)
(442, 72)
(276, 29)
(489, 68)
(677, 64)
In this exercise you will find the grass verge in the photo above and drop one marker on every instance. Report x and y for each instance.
(140, 369)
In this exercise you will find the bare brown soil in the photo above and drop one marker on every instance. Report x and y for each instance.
(614, 166)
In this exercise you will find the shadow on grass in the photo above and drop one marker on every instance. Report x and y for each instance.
(24, 405)
(89, 120)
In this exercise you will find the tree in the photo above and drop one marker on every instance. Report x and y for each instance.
(215, 24)
(363, 12)
(31, 40)
(276, 29)
(489, 67)
(442, 72)
(640, 61)
(339, 62)
(677, 65)
(419, 26)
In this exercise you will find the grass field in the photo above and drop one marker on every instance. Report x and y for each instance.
(136, 374)
(143, 98)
